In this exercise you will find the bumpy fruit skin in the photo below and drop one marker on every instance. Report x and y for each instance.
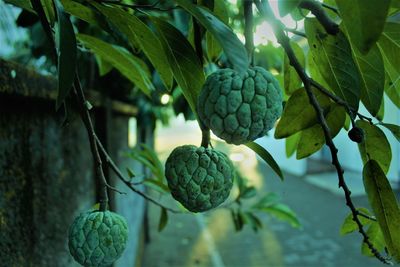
(240, 108)
(97, 238)
(199, 178)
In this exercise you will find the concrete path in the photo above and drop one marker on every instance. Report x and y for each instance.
(209, 239)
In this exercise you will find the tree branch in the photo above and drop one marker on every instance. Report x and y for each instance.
(278, 28)
(317, 10)
(126, 181)
(84, 112)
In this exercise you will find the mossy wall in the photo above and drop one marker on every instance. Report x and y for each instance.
(46, 170)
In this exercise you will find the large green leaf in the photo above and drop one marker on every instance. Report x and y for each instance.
(332, 55)
(298, 113)
(266, 156)
(183, 61)
(291, 80)
(139, 33)
(372, 78)
(232, 46)
(214, 49)
(384, 205)
(66, 50)
(395, 129)
(130, 66)
(349, 225)
(375, 145)
(376, 238)
(82, 12)
(312, 139)
(389, 45)
(357, 14)
(287, 6)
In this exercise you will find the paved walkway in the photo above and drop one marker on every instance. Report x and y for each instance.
(209, 239)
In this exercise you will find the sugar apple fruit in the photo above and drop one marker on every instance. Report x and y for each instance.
(240, 108)
(199, 178)
(97, 238)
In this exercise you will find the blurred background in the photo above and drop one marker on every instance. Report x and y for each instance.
(29, 130)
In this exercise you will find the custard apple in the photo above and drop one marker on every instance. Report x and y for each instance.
(97, 238)
(199, 178)
(240, 108)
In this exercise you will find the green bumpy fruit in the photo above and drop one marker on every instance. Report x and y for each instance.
(240, 108)
(199, 178)
(97, 238)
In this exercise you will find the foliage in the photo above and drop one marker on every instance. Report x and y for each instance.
(145, 50)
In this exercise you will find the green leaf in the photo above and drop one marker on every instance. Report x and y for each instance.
(266, 156)
(376, 238)
(375, 145)
(284, 213)
(82, 12)
(350, 226)
(395, 129)
(312, 68)
(232, 46)
(292, 81)
(66, 50)
(139, 33)
(248, 192)
(312, 139)
(237, 218)
(183, 61)
(130, 173)
(104, 66)
(268, 200)
(357, 14)
(384, 205)
(163, 219)
(214, 49)
(298, 114)
(372, 78)
(130, 66)
(389, 45)
(25, 4)
(332, 55)
(252, 220)
(48, 8)
(287, 6)
(291, 144)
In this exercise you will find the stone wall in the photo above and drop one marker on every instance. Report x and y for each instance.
(46, 170)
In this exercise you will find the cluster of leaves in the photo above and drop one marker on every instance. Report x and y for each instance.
(245, 208)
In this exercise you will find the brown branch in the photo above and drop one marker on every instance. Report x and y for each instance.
(299, 33)
(126, 181)
(84, 112)
(317, 10)
(278, 28)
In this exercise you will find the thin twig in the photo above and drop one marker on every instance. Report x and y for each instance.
(126, 181)
(369, 217)
(317, 10)
(278, 28)
(84, 112)
(299, 33)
